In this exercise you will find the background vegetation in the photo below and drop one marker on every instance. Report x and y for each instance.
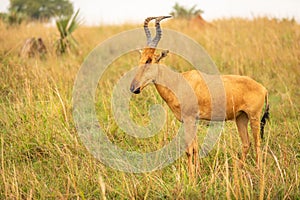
(185, 13)
(41, 156)
(21, 11)
(42, 9)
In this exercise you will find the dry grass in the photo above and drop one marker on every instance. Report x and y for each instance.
(42, 157)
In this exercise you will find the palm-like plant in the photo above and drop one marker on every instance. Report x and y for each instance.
(66, 26)
(185, 13)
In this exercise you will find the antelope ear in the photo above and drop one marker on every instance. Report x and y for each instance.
(163, 54)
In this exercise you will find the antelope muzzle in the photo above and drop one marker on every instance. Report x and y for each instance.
(134, 88)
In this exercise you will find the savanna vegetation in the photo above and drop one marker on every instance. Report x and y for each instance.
(41, 10)
(42, 157)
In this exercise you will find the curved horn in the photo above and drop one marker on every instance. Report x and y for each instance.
(147, 31)
(158, 30)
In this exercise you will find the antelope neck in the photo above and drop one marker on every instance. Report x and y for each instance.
(167, 82)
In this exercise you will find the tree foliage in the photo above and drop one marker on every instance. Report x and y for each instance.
(42, 9)
(185, 13)
(12, 18)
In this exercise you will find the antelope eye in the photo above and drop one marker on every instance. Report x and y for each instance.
(149, 61)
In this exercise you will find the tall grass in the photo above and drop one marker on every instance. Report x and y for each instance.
(41, 156)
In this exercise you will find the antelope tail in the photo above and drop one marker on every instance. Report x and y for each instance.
(265, 117)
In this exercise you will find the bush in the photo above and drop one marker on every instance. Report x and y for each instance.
(185, 13)
(13, 18)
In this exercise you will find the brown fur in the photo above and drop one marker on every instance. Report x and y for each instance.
(188, 96)
(245, 99)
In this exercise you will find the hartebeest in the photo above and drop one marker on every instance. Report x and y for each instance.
(245, 97)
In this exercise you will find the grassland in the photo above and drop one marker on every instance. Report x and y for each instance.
(42, 157)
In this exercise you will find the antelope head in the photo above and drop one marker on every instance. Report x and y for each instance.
(148, 68)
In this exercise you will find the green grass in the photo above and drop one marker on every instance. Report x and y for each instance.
(42, 157)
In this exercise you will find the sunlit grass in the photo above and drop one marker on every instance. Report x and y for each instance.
(42, 157)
